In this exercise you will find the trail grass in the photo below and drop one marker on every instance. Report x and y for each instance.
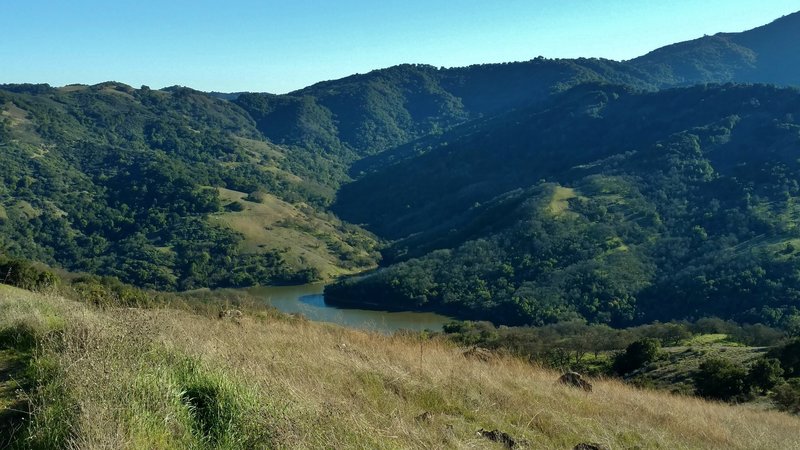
(161, 378)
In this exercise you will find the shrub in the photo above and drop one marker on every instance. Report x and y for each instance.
(789, 357)
(22, 274)
(636, 355)
(720, 379)
(234, 206)
(787, 396)
(764, 374)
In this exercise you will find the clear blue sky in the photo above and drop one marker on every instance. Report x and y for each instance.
(278, 46)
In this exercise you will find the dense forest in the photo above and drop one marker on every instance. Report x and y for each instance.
(117, 181)
(605, 204)
(524, 193)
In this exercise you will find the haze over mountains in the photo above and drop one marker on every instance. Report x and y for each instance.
(522, 193)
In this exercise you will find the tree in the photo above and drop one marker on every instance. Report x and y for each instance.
(764, 374)
(787, 396)
(789, 357)
(720, 379)
(637, 355)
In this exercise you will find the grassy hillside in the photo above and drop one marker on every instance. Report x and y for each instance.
(308, 239)
(131, 378)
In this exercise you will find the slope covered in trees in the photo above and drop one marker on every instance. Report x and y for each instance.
(765, 54)
(112, 180)
(341, 121)
(178, 189)
(604, 204)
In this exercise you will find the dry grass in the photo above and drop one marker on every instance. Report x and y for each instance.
(283, 383)
(559, 203)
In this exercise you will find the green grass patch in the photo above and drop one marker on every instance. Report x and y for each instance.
(711, 339)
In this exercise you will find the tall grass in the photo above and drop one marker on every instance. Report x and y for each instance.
(161, 378)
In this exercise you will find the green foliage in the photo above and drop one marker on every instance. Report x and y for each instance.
(23, 274)
(689, 218)
(636, 355)
(787, 396)
(720, 379)
(789, 356)
(764, 374)
(120, 182)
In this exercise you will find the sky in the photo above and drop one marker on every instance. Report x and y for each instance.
(279, 46)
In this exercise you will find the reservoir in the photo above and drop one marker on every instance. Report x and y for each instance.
(309, 301)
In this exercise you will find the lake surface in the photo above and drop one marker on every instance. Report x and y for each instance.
(309, 301)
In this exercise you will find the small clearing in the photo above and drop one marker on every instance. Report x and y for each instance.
(559, 203)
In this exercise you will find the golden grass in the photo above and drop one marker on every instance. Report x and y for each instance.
(559, 202)
(297, 384)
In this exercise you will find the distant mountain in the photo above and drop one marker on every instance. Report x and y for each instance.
(362, 115)
(342, 121)
(766, 54)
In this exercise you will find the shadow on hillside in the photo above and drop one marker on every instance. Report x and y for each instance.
(13, 406)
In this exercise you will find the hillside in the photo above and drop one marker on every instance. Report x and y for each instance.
(164, 189)
(132, 378)
(121, 181)
(343, 120)
(763, 55)
(605, 204)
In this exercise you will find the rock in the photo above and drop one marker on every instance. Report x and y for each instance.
(575, 380)
(232, 314)
(479, 353)
(499, 437)
(424, 417)
(585, 446)
(352, 351)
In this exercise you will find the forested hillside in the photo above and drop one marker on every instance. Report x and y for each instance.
(341, 121)
(178, 189)
(162, 189)
(765, 54)
(604, 203)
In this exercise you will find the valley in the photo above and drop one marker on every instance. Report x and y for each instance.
(411, 257)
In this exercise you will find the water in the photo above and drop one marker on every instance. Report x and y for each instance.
(309, 301)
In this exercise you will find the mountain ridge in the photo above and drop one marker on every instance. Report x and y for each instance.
(260, 172)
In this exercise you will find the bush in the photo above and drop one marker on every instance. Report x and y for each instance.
(789, 357)
(22, 274)
(234, 207)
(764, 374)
(636, 355)
(787, 396)
(720, 379)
